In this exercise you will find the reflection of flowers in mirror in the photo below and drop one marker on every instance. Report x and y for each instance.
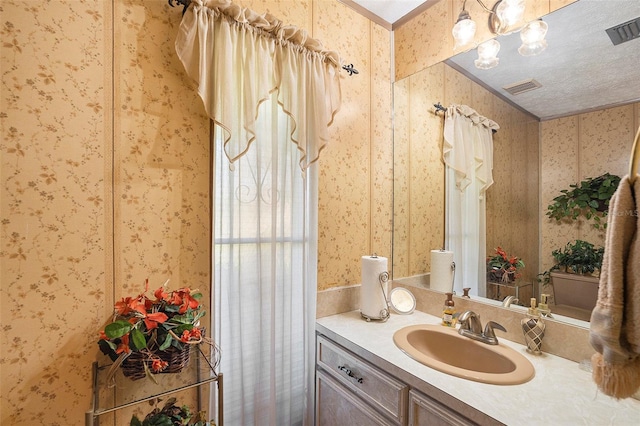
(503, 265)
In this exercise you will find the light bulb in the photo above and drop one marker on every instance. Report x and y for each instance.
(487, 55)
(510, 12)
(532, 36)
(464, 30)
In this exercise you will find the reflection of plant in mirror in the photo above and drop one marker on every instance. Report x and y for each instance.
(589, 198)
(580, 257)
(504, 265)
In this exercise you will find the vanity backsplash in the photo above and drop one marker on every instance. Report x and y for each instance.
(564, 340)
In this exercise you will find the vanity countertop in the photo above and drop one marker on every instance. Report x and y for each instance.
(560, 393)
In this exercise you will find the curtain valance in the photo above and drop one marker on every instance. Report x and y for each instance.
(239, 57)
(468, 146)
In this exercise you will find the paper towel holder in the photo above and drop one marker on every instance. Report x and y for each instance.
(383, 278)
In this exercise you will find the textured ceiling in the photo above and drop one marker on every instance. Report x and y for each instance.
(580, 70)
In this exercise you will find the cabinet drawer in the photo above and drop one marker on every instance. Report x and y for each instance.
(374, 386)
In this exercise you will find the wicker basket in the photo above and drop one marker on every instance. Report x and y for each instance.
(133, 366)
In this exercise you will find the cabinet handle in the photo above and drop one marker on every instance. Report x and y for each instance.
(350, 373)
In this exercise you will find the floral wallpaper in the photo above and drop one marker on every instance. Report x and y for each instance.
(105, 171)
(55, 204)
(574, 148)
(355, 187)
(161, 157)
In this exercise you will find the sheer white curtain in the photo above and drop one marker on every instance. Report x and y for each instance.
(265, 278)
(468, 156)
(272, 92)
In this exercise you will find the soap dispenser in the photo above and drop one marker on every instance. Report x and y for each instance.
(533, 328)
(448, 311)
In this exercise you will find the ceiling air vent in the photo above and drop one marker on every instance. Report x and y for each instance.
(522, 86)
(624, 32)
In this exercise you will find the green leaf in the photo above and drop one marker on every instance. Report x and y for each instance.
(199, 315)
(135, 421)
(117, 329)
(138, 340)
(166, 343)
(161, 420)
(177, 344)
(180, 329)
(171, 308)
(186, 318)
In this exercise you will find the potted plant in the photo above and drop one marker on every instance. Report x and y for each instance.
(171, 415)
(575, 275)
(502, 267)
(589, 199)
(153, 334)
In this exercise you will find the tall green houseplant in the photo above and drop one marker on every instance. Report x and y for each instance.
(588, 199)
(572, 275)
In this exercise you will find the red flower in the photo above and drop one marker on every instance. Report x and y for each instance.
(183, 299)
(160, 294)
(124, 306)
(152, 320)
(193, 334)
(139, 306)
(158, 365)
(124, 345)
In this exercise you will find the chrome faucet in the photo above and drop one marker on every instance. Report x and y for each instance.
(508, 301)
(471, 327)
(470, 321)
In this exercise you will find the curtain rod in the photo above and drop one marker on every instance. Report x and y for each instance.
(185, 4)
(439, 108)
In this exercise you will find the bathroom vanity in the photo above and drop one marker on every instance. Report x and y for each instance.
(362, 378)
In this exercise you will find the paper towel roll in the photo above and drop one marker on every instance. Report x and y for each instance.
(441, 278)
(372, 300)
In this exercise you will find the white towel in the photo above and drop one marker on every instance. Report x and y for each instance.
(615, 321)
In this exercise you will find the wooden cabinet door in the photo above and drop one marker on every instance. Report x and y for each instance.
(424, 411)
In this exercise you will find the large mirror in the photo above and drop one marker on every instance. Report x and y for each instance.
(580, 123)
